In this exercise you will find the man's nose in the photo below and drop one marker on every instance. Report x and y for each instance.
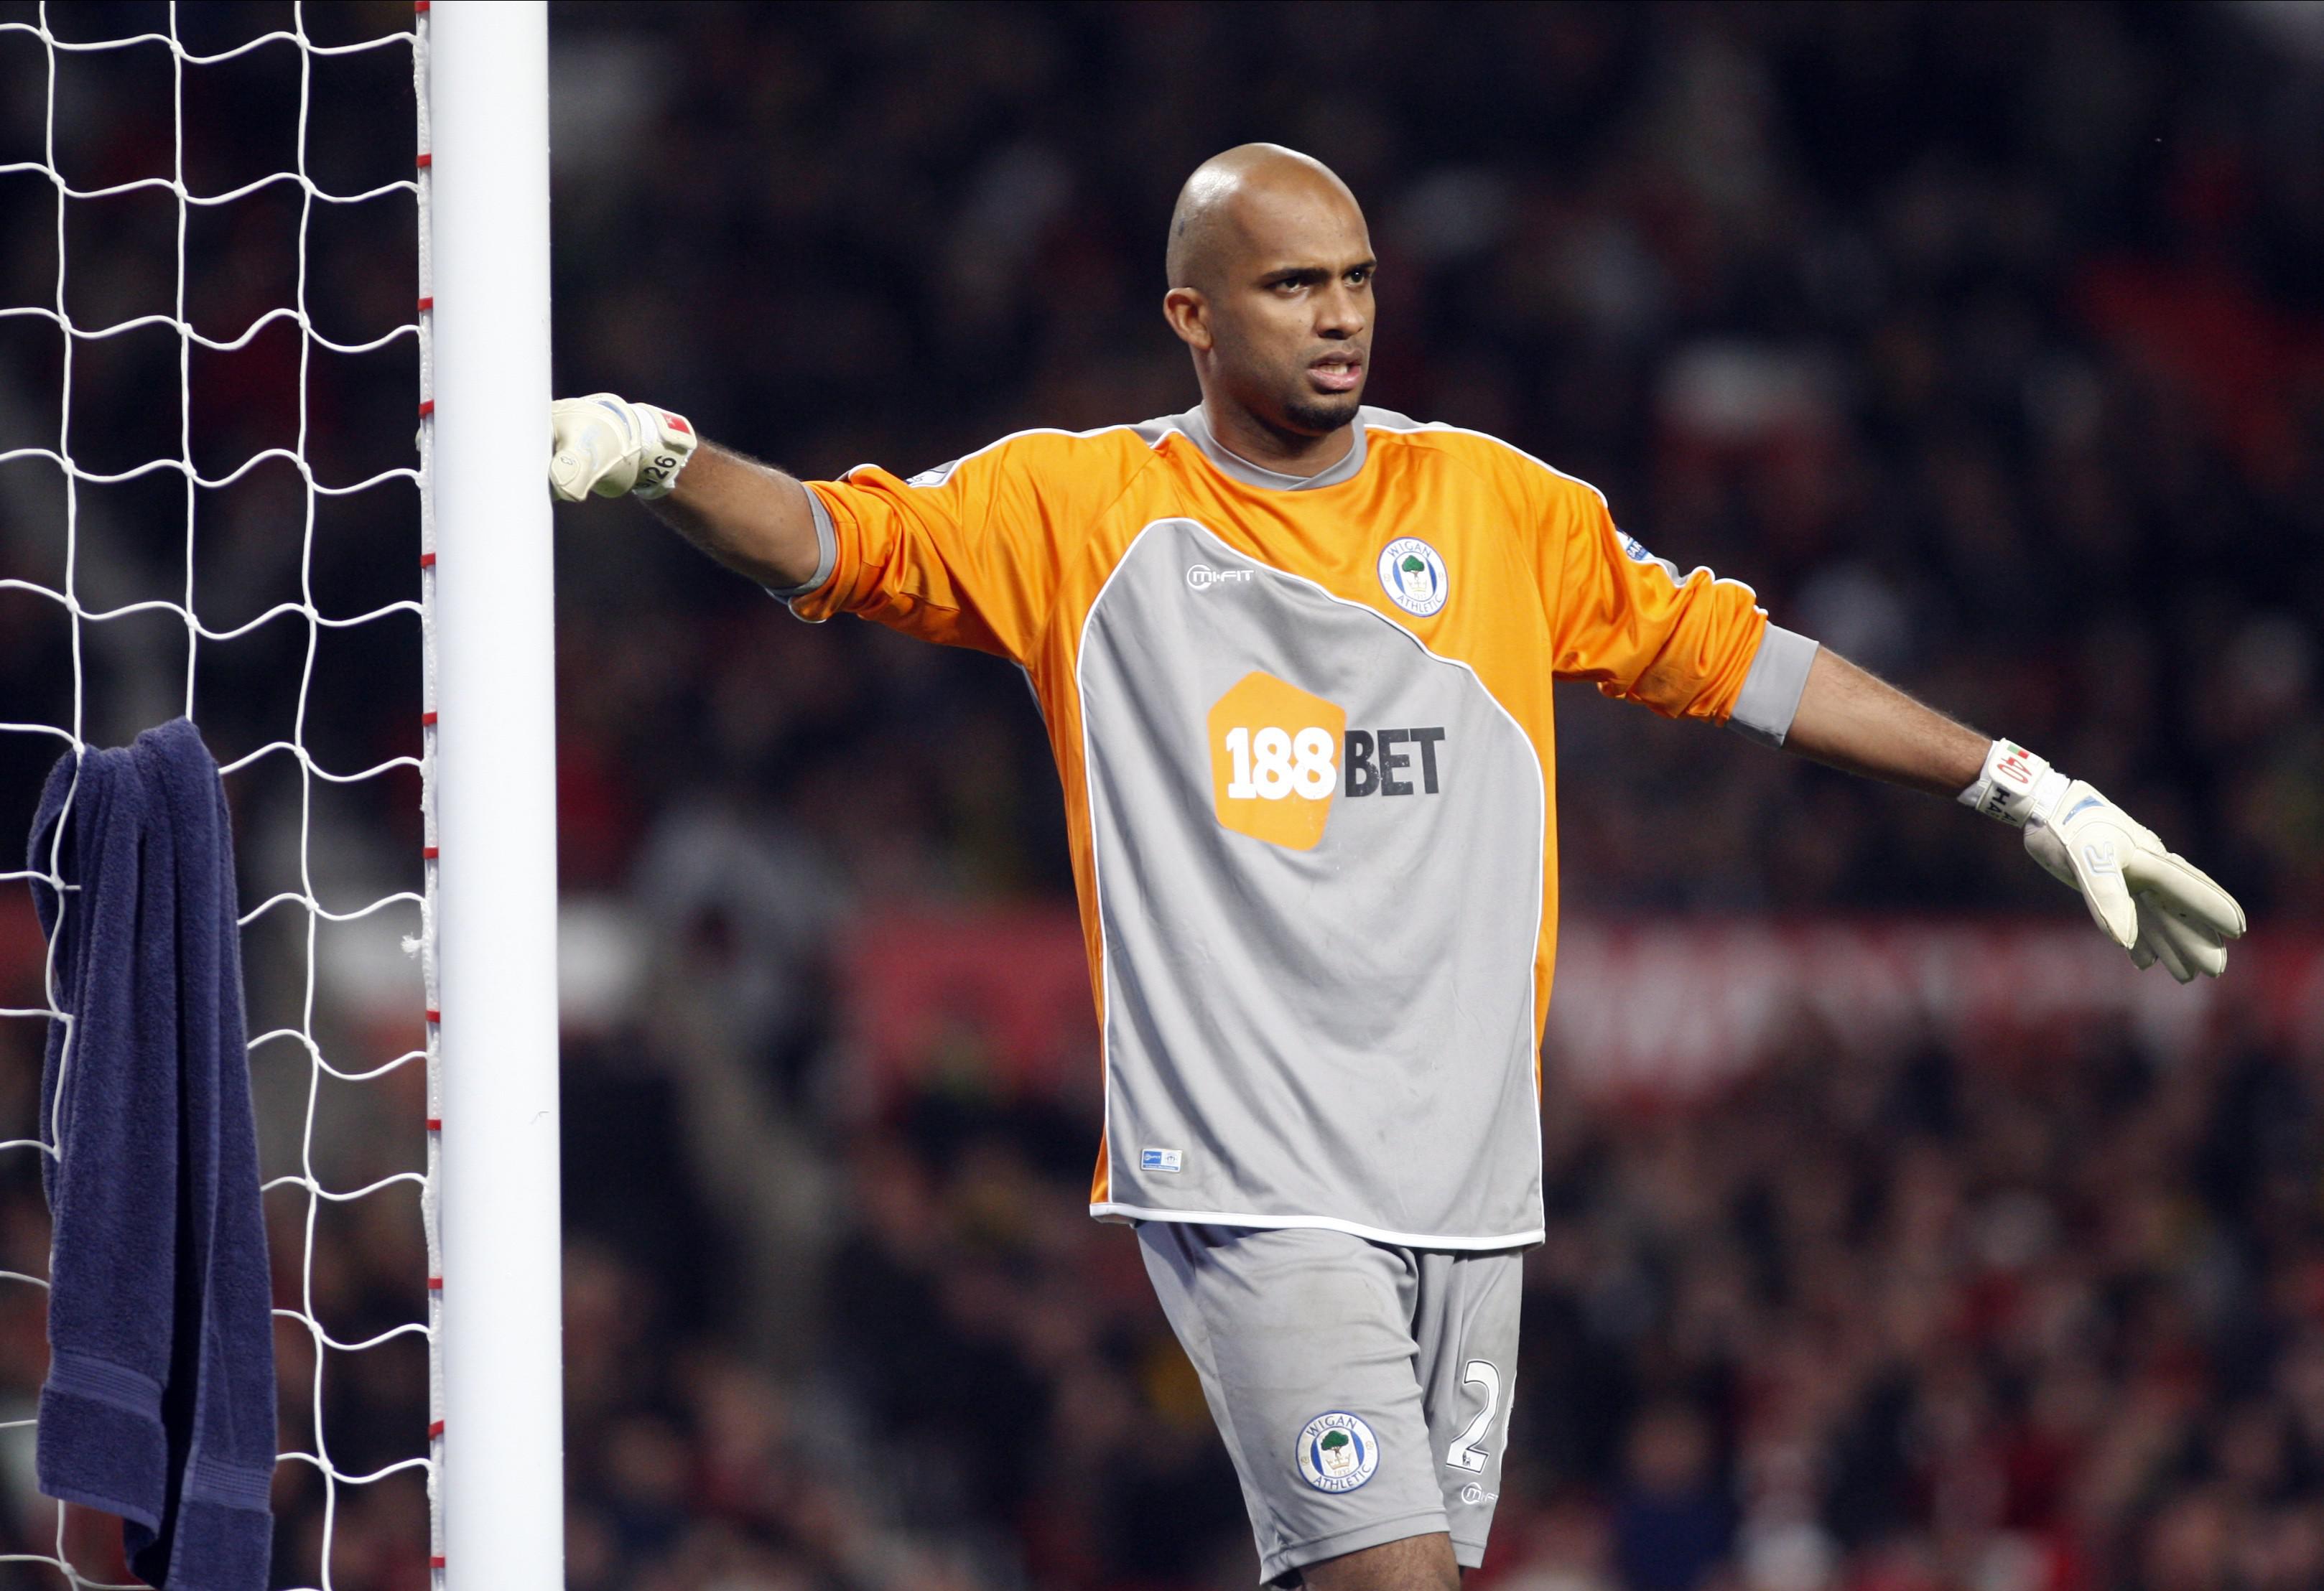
(1339, 313)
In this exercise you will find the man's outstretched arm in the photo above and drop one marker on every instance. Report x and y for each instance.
(1861, 724)
(751, 516)
(2151, 901)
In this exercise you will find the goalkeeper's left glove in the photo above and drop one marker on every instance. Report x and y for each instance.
(2153, 901)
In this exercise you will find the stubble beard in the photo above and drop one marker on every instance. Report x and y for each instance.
(1318, 416)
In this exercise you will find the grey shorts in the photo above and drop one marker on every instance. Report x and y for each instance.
(1363, 1389)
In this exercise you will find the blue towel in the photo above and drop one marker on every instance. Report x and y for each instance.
(159, 1402)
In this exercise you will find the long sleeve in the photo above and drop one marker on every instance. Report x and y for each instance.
(1682, 645)
(968, 553)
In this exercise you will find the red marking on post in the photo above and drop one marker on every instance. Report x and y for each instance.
(427, 408)
(427, 160)
(434, 1016)
(436, 1562)
(436, 1125)
(435, 1283)
(428, 720)
(427, 304)
(428, 853)
(427, 560)
(435, 1430)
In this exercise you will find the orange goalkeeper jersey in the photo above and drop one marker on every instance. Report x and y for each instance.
(1303, 728)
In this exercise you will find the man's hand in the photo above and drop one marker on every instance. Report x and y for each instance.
(609, 445)
(2150, 900)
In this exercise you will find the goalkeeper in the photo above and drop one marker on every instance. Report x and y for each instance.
(1294, 658)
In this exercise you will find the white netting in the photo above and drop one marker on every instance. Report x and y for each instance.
(208, 503)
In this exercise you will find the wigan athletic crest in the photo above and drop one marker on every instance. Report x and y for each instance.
(1337, 1452)
(1413, 575)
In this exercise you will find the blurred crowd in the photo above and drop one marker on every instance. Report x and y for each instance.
(1933, 1323)
(1986, 343)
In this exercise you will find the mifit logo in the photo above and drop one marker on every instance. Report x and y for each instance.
(1275, 760)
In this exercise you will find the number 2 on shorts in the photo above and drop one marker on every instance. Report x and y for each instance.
(1468, 1449)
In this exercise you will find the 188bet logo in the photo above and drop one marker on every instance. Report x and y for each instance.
(1279, 755)
(1275, 760)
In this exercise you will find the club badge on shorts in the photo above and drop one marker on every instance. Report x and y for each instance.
(1337, 1452)
(1413, 575)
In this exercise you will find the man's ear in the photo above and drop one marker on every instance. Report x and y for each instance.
(1189, 315)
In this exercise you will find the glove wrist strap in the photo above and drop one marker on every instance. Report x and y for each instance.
(669, 441)
(2015, 786)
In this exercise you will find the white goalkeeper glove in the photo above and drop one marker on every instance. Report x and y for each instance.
(610, 446)
(2154, 903)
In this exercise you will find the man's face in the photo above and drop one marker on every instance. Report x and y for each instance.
(1288, 316)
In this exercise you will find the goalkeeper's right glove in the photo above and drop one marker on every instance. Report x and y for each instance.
(2153, 901)
(610, 446)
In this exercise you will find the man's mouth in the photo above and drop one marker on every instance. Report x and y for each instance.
(1337, 373)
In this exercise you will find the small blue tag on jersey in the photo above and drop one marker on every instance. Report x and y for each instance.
(1161, 1160)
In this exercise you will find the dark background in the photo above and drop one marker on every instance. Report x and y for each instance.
(1986, 342)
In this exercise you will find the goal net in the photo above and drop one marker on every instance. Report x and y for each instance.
(215, 341)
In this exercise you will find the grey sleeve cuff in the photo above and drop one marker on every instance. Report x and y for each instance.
(827, 544)
(1771, 691)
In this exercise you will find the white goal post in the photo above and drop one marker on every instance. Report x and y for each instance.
(493, 829)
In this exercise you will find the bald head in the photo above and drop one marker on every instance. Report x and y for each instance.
(1254, 197)
(1271, 290)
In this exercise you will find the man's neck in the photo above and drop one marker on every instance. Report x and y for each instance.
(1287, 452)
